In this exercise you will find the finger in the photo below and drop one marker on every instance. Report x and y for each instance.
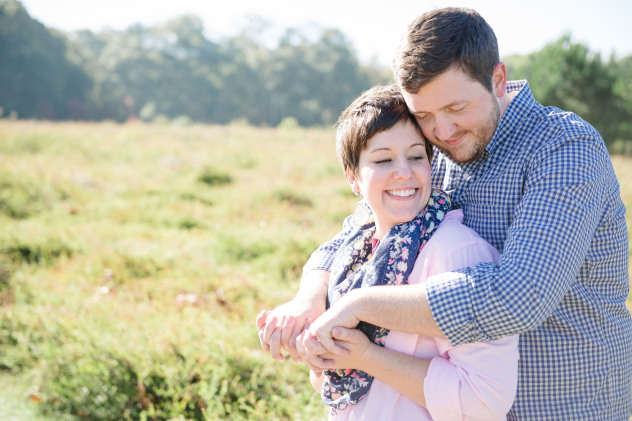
(329, 345)
(286, 332)
(313, 345)
(314, 362)
(269, 328)
(292, 343)
(264, 344)
(275, 346)
(261, 319)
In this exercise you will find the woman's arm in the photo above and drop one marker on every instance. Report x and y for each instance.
(476, 381)
(404, 373)
(316, 378)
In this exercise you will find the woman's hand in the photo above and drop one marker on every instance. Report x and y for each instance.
(279, 328)
(355, 345)
(358, 346)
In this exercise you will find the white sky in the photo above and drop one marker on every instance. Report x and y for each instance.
(374, 27)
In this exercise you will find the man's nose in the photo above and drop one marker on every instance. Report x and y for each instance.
(444, 128)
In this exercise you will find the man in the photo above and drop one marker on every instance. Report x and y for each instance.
(538, 184)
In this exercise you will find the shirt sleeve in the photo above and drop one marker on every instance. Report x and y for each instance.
(323, 257)
(568, 189)
(470, 381)
(473, 381)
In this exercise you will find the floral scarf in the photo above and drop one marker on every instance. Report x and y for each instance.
(354, 266)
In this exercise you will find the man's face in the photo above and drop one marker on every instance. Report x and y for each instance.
(456, 114)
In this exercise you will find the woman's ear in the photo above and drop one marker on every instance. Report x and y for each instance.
(353, 182)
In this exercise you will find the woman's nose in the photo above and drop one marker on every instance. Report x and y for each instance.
(402, 169)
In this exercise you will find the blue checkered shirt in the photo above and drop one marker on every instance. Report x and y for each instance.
(545, 194)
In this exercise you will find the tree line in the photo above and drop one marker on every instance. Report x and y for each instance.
(173, 71)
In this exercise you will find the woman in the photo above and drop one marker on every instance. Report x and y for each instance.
(405, 237)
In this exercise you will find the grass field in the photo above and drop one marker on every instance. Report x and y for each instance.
(134, 259)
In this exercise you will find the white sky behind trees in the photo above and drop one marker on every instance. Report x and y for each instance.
(373, 27)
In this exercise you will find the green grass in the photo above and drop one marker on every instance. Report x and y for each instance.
(134, 259)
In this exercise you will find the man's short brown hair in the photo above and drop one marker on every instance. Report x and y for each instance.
(441, 39)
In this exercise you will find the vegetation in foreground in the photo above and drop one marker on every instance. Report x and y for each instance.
(134, 259)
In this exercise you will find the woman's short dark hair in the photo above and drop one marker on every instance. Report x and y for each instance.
(440, 39)
(375, 111)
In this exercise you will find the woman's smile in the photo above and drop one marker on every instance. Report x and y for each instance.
(402, 193)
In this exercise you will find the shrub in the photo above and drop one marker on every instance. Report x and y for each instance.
(43, 251)
(286, 195)
(212, 177)
(96, 385)
(22, 197)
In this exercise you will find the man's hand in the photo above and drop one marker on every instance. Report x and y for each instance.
(311, 352)
(340, 314)
(316, 346)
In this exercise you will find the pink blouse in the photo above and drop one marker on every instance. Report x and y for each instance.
(466, 382)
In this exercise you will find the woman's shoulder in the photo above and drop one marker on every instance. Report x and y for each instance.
(454, 237)
(453, 231)
(453, 246)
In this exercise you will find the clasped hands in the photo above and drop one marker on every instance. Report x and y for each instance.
(322, 340)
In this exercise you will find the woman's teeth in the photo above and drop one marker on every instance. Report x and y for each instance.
(401, 193)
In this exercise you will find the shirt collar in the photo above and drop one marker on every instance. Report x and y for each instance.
(518, 109)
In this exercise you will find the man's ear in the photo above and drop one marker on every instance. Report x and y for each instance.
(499, 80)
(353, 182)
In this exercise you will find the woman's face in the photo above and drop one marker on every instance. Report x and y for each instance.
(393, 176)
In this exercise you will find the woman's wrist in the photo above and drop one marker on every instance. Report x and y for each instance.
(367, 360)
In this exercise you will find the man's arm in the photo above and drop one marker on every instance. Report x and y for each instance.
(404, 308)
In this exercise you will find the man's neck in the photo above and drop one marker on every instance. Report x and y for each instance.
(506, 100)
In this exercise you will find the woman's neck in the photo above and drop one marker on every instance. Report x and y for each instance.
(382, 230)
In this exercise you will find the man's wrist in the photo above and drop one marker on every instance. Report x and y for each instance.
(355, 302)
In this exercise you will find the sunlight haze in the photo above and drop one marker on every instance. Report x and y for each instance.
(521, 27)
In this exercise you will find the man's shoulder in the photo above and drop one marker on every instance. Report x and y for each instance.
(558, 130)
(543, 126)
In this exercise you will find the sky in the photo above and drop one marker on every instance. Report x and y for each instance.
(373, 27)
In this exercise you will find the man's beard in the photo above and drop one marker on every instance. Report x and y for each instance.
(482, 137)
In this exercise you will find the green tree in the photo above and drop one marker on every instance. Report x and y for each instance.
(623, 88)
(314, 80)
(310, 74)
(167, 69)
(38, 77)
(567, 75)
